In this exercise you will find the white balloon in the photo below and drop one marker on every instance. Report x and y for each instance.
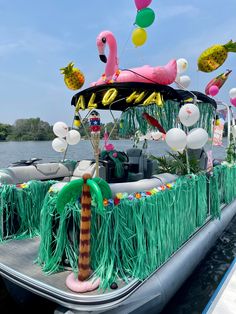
(59, 144)
(73, 137)
(197, 138)
(184, 81)
(176, 139)
(232, 93)
(182, 65)
(177, 77)
(189, 114)
(60, 129)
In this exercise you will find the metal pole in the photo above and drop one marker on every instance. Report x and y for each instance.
(187, 161)
(229, 112)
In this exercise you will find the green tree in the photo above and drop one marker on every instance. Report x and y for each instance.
(115, 133)
(32, 129)
(5, 130)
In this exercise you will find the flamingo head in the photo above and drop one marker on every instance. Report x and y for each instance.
(103, 39)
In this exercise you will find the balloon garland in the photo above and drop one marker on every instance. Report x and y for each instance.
(144, 18)
(64, 137)
(178, 140)
(182, 81)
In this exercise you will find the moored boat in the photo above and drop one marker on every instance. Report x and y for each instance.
(149, 229)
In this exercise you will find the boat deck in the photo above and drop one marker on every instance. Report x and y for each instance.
(17, 264)
(224, 298)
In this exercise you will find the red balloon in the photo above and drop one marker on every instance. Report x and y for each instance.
(213, 90)
(140, 4)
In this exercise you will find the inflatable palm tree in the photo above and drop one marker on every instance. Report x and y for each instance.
(86, 188)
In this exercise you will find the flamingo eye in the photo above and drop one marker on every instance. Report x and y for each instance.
(104, 40)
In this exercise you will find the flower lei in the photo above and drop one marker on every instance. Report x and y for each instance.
(136, 195)
(113, 79)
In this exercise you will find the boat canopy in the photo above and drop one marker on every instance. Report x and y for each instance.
(121, 96)
(134, 99)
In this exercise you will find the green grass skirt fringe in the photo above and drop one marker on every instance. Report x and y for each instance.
(20, 208)
(132, 239)
(165, 114)
(222, 188)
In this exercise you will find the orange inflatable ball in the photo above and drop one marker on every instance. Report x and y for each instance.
(73, 77)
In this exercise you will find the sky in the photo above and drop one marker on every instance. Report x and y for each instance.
(37, 38)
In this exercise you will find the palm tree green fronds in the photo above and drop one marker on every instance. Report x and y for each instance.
(176, 163)
(97, 194)
(104, 186)
(69, 192)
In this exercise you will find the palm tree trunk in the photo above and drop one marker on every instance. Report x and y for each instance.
(85, 232)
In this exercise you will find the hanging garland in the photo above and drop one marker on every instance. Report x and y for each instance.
(132, 119)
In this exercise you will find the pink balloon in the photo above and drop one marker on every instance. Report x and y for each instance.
(140, 4)
(233, 101)
(213, 90)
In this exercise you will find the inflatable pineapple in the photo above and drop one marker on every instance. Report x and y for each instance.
(213, 57)
(73, 77)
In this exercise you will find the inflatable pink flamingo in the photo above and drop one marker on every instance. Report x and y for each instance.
(164, 75)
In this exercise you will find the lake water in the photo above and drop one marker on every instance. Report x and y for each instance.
(15, 151)
(197, 290)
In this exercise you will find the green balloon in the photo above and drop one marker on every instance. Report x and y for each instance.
(145, 17)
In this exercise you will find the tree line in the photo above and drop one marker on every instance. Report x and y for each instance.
(34, 129)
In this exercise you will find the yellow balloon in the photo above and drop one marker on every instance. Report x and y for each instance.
(139, 37)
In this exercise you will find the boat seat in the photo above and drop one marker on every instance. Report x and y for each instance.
(82, 167)
(46, 171)
(115, 164)
(137, 164)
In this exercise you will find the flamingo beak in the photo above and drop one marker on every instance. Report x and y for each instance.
(103, 58)
(228, 72)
